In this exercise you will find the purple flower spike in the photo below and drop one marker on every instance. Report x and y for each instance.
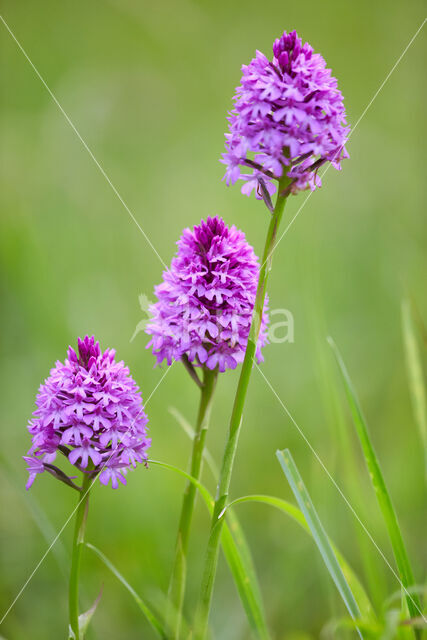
(91, 410)
(205, 301)
(288, 118)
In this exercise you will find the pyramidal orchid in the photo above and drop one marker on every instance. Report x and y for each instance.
(288, 120)
(202, 317)
(205, 301)
(90, 411)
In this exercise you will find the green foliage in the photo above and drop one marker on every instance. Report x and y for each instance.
(146, 609)
(415, 375)
(237, 554)
(317, 531)
(148, 86)
(383, 496)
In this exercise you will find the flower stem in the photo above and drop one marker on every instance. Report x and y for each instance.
(179, 571)
(78, 541)
(211, 560)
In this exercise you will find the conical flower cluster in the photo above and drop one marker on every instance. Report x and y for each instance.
(89, 409)
(288, 118)
(206, 299)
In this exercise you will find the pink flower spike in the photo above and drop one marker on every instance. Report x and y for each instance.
(288, 115)
(91, 410)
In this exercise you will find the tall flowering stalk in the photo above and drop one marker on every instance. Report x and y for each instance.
(288, 120)
(178, 577)
(89, 410)
(203, 318)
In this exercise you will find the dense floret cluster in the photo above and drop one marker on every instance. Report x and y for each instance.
(288, 119)
(89, 409)
(206, 299)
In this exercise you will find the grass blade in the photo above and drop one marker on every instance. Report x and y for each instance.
(346, 459)
(415, 376)
(296, 514)
(383, 497)
(145, 608)
(287, 508)
(319, 534)
(239, 559)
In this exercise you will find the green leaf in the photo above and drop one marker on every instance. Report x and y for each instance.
(295, 514)
(345, 457)
(145, 608)
(415, 376)
(378, 482)
(237, 554)
(285, 507)
(319, 534)
(239, 559)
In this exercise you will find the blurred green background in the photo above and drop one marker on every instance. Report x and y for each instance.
(148, 86)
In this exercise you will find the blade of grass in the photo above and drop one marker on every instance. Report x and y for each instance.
(234, 540)
(383, 496)
(415, 376)
(297, 516)
(154, 621)
(319, 534)
(236, 552)
(238, 557)
(347, 465)
(287, 508)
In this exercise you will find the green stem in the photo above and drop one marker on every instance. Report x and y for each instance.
(179, 571)
(78, 543)
(211, 561)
